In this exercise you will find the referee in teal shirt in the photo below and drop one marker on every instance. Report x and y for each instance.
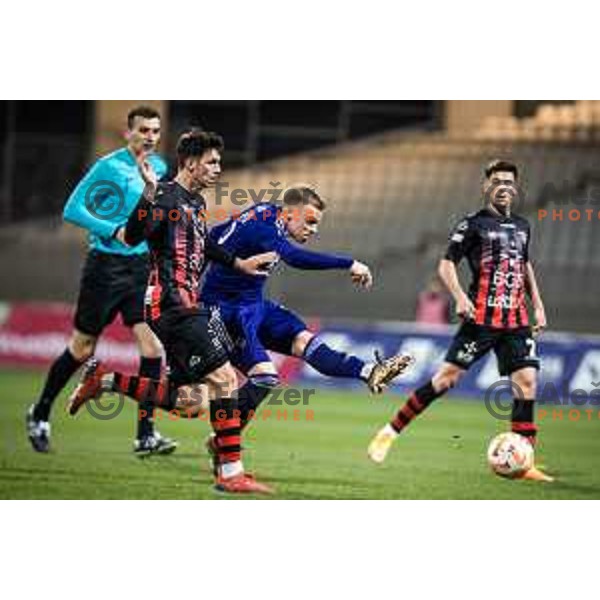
(114, 277)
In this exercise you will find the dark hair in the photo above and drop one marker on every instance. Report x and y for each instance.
(146, 112)
(502, 165)
(303, 194)
(196, 142)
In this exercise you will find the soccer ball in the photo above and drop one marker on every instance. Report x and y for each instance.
(510, 455)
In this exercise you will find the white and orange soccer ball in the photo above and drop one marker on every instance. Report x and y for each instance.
(510, 455)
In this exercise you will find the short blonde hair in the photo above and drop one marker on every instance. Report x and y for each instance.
(301, 193)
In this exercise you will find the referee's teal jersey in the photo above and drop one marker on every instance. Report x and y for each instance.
(106, 196)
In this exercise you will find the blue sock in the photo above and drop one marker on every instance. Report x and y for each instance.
(330, 362)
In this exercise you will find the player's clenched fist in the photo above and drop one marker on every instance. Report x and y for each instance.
(257, 265)
(540, 320)
(148, 175)
(361, 274)
(465, 308)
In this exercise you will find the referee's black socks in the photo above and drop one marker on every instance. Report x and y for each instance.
(149, 367)
(62, 369)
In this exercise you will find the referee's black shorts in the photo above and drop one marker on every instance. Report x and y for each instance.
(196, 343)
(111, 284)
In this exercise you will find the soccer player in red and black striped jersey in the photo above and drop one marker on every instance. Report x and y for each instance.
(495, 243)
(171, 217)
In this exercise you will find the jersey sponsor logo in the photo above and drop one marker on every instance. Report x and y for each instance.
(502, 301)
(508, 280)
(195, 361)
(496, 235)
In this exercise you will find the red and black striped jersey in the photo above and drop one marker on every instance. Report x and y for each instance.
(497, 250)
(174, 226)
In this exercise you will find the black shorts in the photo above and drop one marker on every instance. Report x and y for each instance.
(111, 284)
(196, 343)
(514, 348)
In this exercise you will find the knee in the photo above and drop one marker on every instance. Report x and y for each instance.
(265, 380)
(527, 386)
(148, 344)
(82, 346)
(193, 400)
(222, 382)
(151, 350)
(195, 410)
(447, 378)
(300, 342)
(525, 380)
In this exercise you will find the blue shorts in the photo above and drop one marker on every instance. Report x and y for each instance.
(257, 327)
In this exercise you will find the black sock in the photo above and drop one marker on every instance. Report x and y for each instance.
(523, 419)
(60, 372)
(418, 401)
(149, 367)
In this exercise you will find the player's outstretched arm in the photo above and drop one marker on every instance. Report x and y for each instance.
(536, 299)
(449, 276)
(311, 261)
(318, 261)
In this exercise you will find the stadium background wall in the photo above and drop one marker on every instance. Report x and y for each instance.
(397, 175)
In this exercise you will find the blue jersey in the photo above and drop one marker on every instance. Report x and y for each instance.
(106, 196)
(258, 229)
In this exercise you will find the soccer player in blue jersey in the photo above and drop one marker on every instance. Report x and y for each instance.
(257, 324)
(114, 276)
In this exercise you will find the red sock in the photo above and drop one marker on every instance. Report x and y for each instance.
(141, 389)
(225, 420)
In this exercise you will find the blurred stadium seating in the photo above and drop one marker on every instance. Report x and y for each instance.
(393, 197)
(578, 122)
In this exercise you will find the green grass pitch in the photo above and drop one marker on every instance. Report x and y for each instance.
(442, 454)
